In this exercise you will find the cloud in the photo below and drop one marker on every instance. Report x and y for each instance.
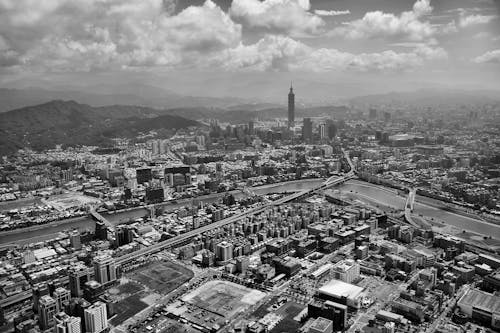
(488, 57)
(291, 17)
(90, 34)
(279, 53)
(408, 25)
(100, 35)
(321, 12)
(474, 19)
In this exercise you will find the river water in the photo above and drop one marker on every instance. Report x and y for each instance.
(375, 194)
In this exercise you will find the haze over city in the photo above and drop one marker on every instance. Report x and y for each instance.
(249, 48)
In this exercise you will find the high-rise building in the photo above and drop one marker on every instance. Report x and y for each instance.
(291, 108)
(96, 319)
(322, 131)
(224, 251)
(251, 127)
(346, 270)
(67, 324)
(77, 278)
(75, 240)
(47, 308)
(104, 269)
(62, 297)
(124, 235)
(373, 114)
(331, 129)
(307, 129)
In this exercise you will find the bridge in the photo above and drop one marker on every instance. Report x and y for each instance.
(100, 218)
(410, 200)
(180, 239)
(415, 221)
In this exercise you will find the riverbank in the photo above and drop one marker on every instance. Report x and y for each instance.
(374, 194)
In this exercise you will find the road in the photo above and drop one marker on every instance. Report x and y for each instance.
(190, 234)
(363, 317)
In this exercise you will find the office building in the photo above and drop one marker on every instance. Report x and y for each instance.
(291, 108)
(307, 129)
(47, 308)
(124, 235)
(224, 251)
(331, 129)
(322, 131)
(104, 269)
(78, 276)
(67, 324)
(96, 319)
(334, 312)
(62, 297)
(346, 270)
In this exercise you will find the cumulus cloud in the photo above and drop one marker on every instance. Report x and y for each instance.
(321, 12)
(282, 16)
(474, 19)
(279, 53)
(408, 25)
(488, 57)
(89, 34)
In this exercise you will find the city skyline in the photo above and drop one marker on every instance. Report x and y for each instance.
(206, 47)
(251, 166)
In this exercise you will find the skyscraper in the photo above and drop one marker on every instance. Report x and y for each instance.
(96, 319)
(47, 308)
(291, 108)
(307, 129)
(104, 269)
(322, 131)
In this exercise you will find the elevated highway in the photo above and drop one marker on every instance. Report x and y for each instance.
(180, 239)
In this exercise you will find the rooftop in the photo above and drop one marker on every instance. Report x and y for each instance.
(337, 288)
(321, 324)
(482, 300)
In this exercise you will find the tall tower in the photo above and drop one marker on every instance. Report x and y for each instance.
(291, 107)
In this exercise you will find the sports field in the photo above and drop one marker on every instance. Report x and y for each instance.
(223, 298)
(127, 308)
(161, 276)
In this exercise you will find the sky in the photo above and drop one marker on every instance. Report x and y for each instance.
(252, 48)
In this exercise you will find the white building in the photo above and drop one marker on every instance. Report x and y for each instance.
(346, 270)
(96, 319)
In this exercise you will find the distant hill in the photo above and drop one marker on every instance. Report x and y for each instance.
(428, 98)
(67, 122)
(147, 96)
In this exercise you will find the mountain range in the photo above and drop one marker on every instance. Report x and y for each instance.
(103, 95)
(67, 122)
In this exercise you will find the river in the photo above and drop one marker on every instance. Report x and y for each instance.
(365, 191)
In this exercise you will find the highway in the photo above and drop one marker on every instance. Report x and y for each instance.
(232, 219)
(190, 234)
